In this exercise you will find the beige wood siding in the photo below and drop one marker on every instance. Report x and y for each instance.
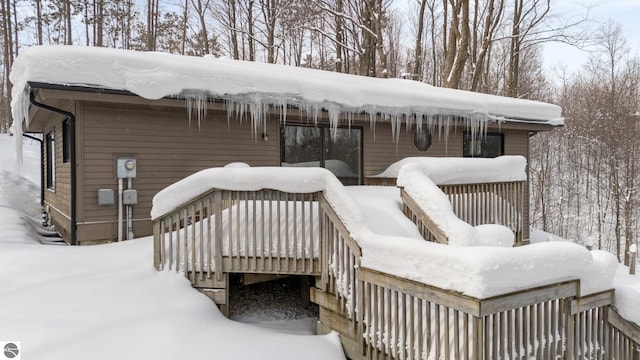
(167, 147)
(381, 150)
(58, 200)
(517, 143)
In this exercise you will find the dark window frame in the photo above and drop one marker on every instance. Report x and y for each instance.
(484, 140)
(50, 144)
(323, 133)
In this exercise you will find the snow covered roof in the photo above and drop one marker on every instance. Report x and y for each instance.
(154, 75)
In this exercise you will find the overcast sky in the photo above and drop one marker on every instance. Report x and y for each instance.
(624, 12)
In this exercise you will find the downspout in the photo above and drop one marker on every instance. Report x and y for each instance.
(42, 170)
(72, 158)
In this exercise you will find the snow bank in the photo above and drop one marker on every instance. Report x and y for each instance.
(450, 171)
(19, 209)
(30, 155)
(254, 86)
(53, 296)
(19, 197)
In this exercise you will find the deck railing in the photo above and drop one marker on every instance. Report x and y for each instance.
(489, 203)
(379, 314)
(403, 319)
(343, 259)
(222, 231)
(397, 318)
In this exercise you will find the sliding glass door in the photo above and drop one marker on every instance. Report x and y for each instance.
(338, 150)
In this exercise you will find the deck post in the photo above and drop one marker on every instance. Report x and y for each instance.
(478, 338)
(217, 208)
(570, 331)
(156, 246)
(359, 317)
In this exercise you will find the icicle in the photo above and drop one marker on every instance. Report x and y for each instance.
(334, 119)
(283, 119)
(20, 116)
(372, 124)
(230, 110)
(398, 127)
(409, 122)
(257, 107)
(196, 102)
(258, 111)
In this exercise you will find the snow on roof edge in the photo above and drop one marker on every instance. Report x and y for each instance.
(154, 75)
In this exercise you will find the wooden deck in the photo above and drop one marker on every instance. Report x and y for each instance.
(380, 315)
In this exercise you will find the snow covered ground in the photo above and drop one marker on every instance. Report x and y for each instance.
(108, 302)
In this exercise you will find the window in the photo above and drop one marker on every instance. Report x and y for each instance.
(422, 139)
(51, 160)
(487, 145)
(338, 150)
(66, 141)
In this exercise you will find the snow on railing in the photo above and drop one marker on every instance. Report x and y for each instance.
(426, 204)
(476, 204)
(239, 231)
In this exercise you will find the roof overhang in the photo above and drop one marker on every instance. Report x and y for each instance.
(61, 95)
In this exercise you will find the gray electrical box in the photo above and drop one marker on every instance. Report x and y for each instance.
(130, 197)
(105, 197)
(126, 168)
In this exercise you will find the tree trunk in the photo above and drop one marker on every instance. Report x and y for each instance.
(233, 22)
(491, 22)
(458, 44)
(251, 31)
(38, 4)
(339, 36)
(8, 62)
(67, 11)
(514, 50)
(152, 23)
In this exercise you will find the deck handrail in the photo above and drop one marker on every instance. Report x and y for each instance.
(476, 204)
(213, 234)
(428, 228)
(342, 252)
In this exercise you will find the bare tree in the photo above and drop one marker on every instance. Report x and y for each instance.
(491, 15)
(457, 42)
(153, 16)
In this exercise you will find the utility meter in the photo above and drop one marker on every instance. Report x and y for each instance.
(126, 168)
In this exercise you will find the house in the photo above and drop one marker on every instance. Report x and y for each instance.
(119, 125)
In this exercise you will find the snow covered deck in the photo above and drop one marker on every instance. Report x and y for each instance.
(390, 293)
